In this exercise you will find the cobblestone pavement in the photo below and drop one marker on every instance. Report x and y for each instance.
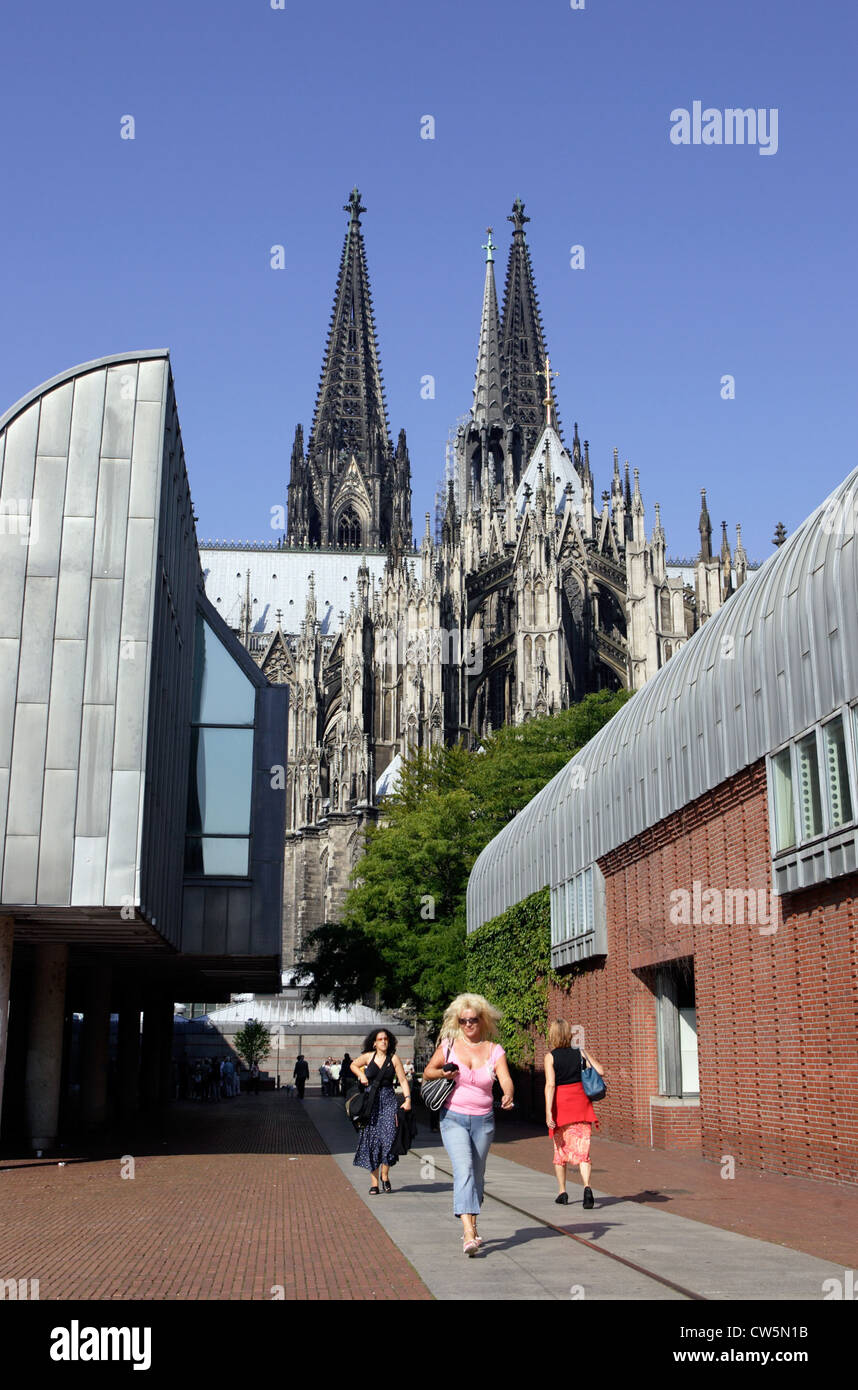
(819, 1218)
(235, 1200)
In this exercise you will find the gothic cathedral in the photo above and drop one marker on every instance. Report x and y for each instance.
(528, 594)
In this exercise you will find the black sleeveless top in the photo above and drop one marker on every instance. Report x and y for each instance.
(388, 1073)
(567, 1065)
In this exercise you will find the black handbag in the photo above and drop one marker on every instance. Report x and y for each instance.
(434, 1093)
(359, 1106)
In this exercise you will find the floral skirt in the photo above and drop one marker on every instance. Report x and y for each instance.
(376, 1140)
(572, 1144)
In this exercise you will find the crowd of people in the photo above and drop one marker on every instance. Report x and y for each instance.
(206, 1078)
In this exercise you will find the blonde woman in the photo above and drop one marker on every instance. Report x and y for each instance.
(468, 1053)
(569, 1111)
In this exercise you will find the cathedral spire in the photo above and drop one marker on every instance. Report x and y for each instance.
(347, 488)
(522, 339)
(705, 528)
(488, 386)
(350, 408)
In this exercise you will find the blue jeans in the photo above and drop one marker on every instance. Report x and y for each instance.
(467, 1139)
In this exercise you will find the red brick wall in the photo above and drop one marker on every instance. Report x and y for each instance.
(776, 1010)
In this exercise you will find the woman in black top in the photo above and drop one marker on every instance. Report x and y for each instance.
(375, 1146)
(569, 1113)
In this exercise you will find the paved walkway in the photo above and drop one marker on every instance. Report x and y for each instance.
(236, 1200)
(625, 1249)
(258, 1198)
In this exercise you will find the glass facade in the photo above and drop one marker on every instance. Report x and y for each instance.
(220, 784)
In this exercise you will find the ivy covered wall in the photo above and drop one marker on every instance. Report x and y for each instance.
(509, 961)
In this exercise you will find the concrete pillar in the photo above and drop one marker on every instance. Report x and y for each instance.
(95, 1045)
(128, 1059)
(166, 1090)
(152, 1056)
(45, 1046)
(7, 928)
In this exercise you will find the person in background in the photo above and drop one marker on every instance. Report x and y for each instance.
(346, 1078)
(569, 1112)
(467, 1052)
(301, 1071)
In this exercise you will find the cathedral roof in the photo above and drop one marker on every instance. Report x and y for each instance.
(792, 638)
(556, 465)
(278, 580)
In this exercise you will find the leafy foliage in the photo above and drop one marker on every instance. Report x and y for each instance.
(252, 1042)
(403, 928)
(509, 961)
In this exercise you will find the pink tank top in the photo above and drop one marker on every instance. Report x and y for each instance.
(473, 1093)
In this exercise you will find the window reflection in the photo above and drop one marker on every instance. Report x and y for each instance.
(220, 781)
(222, 692)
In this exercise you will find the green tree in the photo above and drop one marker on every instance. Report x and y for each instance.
(252, 1042)
(403, 928)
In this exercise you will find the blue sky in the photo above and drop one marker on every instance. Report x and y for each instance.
(251, 126)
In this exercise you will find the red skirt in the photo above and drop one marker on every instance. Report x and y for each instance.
(572, 1105)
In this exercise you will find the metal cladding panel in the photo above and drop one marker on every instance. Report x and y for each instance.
(146, 455)
(13, 569)
(85, 444)
(130, 700)
(102, 648)
(19, 462)
(90, 861)
(55, 421)
(20, 863)
(777, 658)
(111, 518)
(34, 668)
(96, 760)
(139, 569)
(119, 400)
(238, 911)
(66, 704)
(122, 837)
(28, 762)
(8, 686)
(4, 798)
(56, 857)
(75, 577)
(43, 548)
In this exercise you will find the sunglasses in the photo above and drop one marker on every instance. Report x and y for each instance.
(466, 1022)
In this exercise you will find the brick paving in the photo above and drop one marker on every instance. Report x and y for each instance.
(818, 1218)
(235, 1200)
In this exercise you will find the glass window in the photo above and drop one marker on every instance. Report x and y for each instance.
(220, 855)
(223, 694)
(810, 801)
(837, 774)
(784, 805)
(221, 781)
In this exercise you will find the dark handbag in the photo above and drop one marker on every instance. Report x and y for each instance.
(593, 1083)
(434, 1093)
(360, 1104)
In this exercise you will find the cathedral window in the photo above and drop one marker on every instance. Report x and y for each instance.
(349, 530)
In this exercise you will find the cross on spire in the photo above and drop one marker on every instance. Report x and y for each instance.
(548, 402)
(489, 246)
(354, 206)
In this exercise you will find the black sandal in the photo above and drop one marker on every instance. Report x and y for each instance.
(373, 1191)
(385, 1185)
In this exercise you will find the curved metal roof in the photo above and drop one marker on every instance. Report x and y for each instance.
(778, 657)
